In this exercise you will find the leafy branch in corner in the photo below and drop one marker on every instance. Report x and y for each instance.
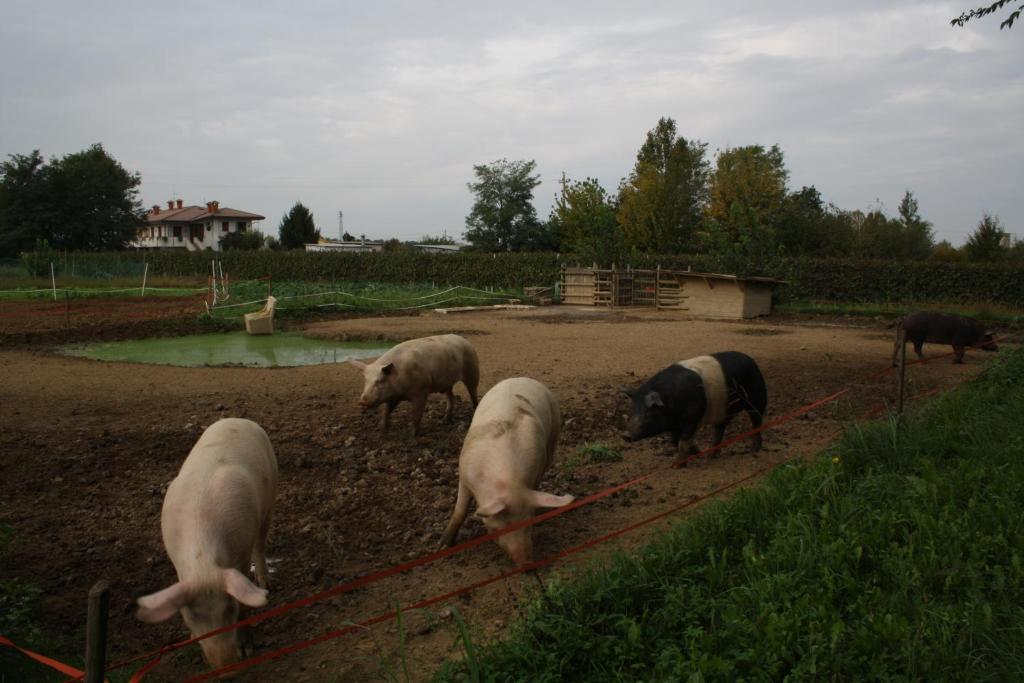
(984, 11)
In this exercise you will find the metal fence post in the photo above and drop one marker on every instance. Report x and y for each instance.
(900, 390)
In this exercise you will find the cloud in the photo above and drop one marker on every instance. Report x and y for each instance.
(382, 110)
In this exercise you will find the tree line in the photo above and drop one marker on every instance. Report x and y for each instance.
(673, 201)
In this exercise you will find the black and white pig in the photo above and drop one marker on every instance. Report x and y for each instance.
(706, 390)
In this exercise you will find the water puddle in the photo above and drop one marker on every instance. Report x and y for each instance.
(282, 349)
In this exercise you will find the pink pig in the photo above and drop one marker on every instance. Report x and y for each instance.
(413, 370)
(509, 445)
(215, 519)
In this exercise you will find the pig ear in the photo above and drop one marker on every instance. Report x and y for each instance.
(549, 500)
(161, 605)
(242, 589)
(653, 399)
(490, 510)
(358, 363)
(387, 369)
(626, 391)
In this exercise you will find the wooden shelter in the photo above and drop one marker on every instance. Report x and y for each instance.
(710, 295)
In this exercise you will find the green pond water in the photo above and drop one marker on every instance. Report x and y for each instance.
(232, 348)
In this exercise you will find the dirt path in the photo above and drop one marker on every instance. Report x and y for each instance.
(89, 447)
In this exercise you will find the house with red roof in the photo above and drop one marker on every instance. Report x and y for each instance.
(194, 228)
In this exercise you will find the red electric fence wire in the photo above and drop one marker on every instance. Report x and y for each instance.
(331, 635)
(42, 659)
(461, 547)
(433, 557)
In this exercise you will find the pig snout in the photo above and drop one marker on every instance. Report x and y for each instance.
(221, 650)
(518, 545)
(369, 399)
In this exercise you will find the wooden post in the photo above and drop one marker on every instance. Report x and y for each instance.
(145, 272)
(96, 632)
(902, 376)
(53, 280)
(657, 287)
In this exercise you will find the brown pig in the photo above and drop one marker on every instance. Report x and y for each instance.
(215, 519)
(509, 445)
(413, 370)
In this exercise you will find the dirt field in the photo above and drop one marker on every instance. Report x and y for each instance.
(88, 449)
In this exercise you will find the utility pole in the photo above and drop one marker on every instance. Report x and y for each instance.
(341, 225)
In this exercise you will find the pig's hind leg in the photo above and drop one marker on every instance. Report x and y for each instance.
(259, 556)
(451, 405)
(458, 517)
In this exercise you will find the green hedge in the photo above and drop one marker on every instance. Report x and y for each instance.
(844, 280)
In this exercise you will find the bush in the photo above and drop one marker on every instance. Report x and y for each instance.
(806, 279)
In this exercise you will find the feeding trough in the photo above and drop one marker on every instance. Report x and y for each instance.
(262, 321)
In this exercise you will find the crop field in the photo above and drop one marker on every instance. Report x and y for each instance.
(89, 447)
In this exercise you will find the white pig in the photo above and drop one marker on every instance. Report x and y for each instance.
(215, 519)
(509, 445)
(413, 370)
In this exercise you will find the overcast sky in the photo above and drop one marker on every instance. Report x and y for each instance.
(382, 109)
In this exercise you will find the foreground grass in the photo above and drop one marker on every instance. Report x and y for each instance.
(993, 313)
(897, 555)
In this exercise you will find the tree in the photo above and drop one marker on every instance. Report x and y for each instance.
(85, 201)
(918, 240)
(945, 252)
(988, 241)
(748, 188)
(662, 201)
(908, 237)
(437, 239)
(503, 217)
(583, 221)
(297, 228)
(250, 240)
(986, 10)
(806, 226)
(746, 196)
(394, 246)
(24, 205)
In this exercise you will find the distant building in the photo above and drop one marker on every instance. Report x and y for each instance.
(194, 228)
(437, 248)
(353, 246)
(364, 245)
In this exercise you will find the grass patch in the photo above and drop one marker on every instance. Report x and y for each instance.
(590, 454)
(994, 313)
(896, 555)
(19, 606)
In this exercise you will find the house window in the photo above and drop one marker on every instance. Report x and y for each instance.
(240, 225)
(224, 226)
(177, 231)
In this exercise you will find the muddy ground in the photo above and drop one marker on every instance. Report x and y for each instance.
(87, 449)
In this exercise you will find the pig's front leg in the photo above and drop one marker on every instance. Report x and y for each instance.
(385, 416)
(684, 446)
(418, 404)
